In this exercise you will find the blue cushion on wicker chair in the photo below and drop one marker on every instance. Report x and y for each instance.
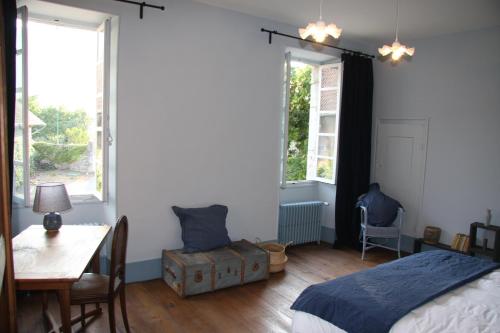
(382, 209)
(203, 229)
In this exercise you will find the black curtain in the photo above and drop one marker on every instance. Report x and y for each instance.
(9, 35)
(353, 170)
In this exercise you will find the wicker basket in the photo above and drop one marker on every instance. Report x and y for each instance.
(432, 234)
(277, 255)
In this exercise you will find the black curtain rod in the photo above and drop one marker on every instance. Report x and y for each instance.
(142, 5)
(275, 32)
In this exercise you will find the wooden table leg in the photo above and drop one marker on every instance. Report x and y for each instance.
(96, 268)
(52, 324)
(45, 300)
(65, 305)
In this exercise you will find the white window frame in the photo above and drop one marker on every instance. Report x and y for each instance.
(285, 118)
(107, 140)
(314, 123)
(315, 115)
(105, 27)
(22, 14)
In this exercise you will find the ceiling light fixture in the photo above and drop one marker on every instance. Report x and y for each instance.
(319, 30)
(397, 49)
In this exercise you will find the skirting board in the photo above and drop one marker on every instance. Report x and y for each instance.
(151, 269)
(406, 242)
(137, 271)
(328, 235)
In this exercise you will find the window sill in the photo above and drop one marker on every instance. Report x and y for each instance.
(298, 184)
(85, 199)
(76, 200)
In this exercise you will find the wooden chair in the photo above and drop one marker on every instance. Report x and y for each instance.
(97, 288)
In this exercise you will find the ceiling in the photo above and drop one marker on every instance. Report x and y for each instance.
(374, 20)
(48, 11)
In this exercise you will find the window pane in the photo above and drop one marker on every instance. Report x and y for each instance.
(65, 78)
(329, 77)
(326, 146)
(19, 35)
(99, 120)
(328, 101)
(19, 142)
(298, 121)
(325, 168)
(19, 72)
(327, 124)
(18, 189)
(18, 180)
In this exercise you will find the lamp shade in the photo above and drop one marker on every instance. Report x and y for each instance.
(51, 197)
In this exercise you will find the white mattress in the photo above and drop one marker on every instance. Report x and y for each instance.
(474, 307)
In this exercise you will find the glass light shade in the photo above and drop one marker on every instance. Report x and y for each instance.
(319, 31)
(397, 49)
(385, 50)
(51, 197)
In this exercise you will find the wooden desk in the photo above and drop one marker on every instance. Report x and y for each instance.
(55, 260)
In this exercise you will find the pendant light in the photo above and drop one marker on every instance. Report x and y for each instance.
(319, 30)
(397, 49)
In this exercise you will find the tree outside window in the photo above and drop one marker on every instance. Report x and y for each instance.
(298, 121)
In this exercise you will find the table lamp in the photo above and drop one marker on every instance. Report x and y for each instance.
(51, 198)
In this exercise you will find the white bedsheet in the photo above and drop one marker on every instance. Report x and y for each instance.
(474, 307)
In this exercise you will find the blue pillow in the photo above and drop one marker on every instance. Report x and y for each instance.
(203, 229)
(382, 209)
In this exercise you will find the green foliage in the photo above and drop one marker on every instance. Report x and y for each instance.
(19, 180)
(63, 139)
(57, 120)
(57, 153)
(77, 135)
(99, 180)
(325, 171)
(298, 122)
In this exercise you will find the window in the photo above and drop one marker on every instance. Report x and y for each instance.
(61, 108)
(311, 120)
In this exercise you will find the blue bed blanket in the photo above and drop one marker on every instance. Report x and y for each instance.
(373, 300)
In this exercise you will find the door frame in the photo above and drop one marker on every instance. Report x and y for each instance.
(7, 294)
(424, 122)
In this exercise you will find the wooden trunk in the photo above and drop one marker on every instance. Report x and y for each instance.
(254, 263)
(187, 273)
(226, 267)
(196, 273)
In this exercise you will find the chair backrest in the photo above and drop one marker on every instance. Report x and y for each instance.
(398, 221)
(118, 254)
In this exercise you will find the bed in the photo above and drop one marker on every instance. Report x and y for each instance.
(471, 303)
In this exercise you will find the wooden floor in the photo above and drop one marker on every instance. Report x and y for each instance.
(256, 307)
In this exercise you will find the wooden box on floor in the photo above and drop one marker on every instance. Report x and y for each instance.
(195, 273)
(254, 261)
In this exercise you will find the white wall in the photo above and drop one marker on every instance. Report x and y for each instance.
(312, 192)
(198, 120)
(454, 81)
(299, 192)
(327, 193)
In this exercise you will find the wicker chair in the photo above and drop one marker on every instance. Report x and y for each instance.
(391, 232)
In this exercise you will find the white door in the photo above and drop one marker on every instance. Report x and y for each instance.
(400, 156)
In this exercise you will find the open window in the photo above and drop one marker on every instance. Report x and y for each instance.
(311, 120)
(62, 103)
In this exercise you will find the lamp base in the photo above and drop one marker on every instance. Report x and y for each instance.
(52, 221)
